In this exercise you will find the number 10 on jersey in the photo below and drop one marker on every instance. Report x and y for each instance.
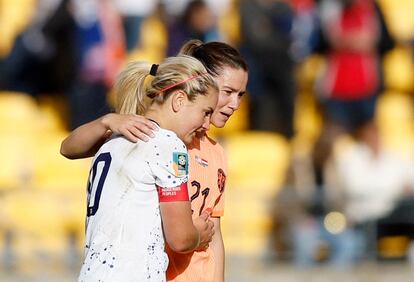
(96, 182)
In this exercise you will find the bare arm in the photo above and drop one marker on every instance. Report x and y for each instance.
(181, 234)
(86, 140)
(206, 230)
(217, 246)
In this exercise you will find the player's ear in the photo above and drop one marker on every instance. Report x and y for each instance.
(179, 98)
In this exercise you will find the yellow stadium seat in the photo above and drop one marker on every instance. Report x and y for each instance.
(237, 123)
(256, 159)
(235, 230)
(18, 126)
(393, 246)
(53, 172)
(14, 17)
(36, 227)
(258, 162)
(307, 121)
(395, 116)
(308, 71)
(18, 113)
(229, 23)
(64, 179)
(153, 43)
(399, 18)
(16, 168)
(74, 218)
(399, 70)
(52, 114)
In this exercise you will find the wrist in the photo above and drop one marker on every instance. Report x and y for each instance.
(106, 120)
(198, 239)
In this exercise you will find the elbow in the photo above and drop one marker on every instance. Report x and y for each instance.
(64, 152)
(182, 245)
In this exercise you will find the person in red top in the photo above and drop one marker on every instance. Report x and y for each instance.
(351, 80)
(208, 169)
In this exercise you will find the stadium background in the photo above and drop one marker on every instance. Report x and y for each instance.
(42, 194)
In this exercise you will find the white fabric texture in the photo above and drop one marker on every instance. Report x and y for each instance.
(124, 239)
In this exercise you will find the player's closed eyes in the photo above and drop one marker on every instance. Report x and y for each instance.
(229, 92)
(208, 113)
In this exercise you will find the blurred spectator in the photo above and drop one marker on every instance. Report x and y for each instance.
(41, 59)
(133, 14)
(304, 205)
(197, 22)
(343, 200)
(373, 181)
(99, 53)
(305, 35)
(73, 47)
(356, 36)
(266, 27)
(176, 8)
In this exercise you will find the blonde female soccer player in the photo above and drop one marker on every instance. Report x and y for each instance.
(208, 167)
(137, 192)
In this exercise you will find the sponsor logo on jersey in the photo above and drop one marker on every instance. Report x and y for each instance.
(180, 161)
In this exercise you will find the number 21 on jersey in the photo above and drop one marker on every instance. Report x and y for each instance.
(204, 194)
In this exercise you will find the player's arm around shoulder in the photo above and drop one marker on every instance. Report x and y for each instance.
(86, 140)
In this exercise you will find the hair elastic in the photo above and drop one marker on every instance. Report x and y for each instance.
(153, 70)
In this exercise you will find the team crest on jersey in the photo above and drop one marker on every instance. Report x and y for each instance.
(221, 180)
(180, 163)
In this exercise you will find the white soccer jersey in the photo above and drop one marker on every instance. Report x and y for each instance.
(124, 238)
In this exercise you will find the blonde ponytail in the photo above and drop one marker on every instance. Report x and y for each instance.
(130, 89)
(185, 73)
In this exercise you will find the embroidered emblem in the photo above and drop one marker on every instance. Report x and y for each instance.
(221, 180)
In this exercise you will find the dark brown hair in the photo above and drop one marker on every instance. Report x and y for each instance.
(214, 55)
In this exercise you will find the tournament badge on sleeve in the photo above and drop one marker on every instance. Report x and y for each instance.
(180, 164)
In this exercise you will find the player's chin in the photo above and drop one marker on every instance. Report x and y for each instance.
(219, 122)
(189, 137)
(219, 119)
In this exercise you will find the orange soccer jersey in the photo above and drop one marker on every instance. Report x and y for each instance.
(208, 169)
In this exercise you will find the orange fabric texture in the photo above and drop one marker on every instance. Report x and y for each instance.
(208, 169)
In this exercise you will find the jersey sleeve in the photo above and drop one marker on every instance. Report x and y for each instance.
(169, 166)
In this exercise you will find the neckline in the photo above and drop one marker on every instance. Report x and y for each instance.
(155, 122)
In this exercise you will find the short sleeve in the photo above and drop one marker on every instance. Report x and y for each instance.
(168, 162)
